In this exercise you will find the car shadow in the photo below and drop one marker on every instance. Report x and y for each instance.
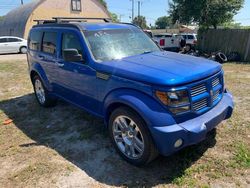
(82, 139)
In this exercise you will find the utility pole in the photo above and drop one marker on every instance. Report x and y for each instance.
(139, 8)
(21, 2)
(133, 8)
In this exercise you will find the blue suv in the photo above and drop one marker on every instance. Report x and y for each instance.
(152, 101)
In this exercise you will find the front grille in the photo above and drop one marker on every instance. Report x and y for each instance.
(212, 90)
(197, 90)
(200, 104)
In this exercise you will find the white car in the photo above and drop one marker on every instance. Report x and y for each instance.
(191, 40)
(9, 44)
(167, 41)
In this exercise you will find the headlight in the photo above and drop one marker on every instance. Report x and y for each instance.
(177, 101)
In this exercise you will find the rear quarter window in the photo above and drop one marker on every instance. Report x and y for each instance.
(35, 40)
(14, 40)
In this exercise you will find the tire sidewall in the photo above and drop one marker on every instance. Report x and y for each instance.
(21, 50)
(45, 91)
(144, 131)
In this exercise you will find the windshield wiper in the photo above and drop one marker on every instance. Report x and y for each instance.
(147, 52)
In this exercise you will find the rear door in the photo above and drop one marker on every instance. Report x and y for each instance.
(14, 44)
(49, 54)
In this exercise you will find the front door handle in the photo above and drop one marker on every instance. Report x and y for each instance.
(59, 64)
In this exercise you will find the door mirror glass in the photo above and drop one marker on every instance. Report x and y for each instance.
(72, 55)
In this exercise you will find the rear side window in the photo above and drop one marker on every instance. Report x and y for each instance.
(14, 40)
(190, 37)
(71, 41)
(3, 40)
(49, 42)
(35, 40)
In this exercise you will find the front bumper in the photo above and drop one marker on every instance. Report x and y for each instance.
(192, 131)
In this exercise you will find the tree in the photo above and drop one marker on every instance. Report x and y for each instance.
(114, 17)
(205, 12)
(1, 18)
(140, 21)
(163, 22)
(104, 3)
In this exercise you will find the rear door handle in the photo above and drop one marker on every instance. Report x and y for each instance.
(59, 64)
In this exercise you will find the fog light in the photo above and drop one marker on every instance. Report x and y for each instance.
(178, 143)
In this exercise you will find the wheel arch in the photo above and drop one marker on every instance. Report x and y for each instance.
(150, 110)
(38, 70)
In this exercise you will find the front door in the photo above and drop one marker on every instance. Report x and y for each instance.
(76, 81)
(3, 45)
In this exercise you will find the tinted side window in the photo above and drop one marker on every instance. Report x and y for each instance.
(190, 37)
(14, 40)
(71, 41)
(3, 40)
(35, 40)
(49, 42)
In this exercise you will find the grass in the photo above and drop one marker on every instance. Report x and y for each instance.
(242, 155)
(64, 146)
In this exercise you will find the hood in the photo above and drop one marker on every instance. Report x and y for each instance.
(162, 68)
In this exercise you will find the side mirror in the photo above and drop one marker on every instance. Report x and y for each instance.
(72, 55)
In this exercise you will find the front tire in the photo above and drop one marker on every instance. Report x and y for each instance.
(42, 94)
(131, 137)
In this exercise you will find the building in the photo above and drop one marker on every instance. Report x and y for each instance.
(19, 21)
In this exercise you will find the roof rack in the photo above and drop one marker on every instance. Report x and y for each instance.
(69, 19)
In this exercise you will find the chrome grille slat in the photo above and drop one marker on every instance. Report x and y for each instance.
(216, 95)
(215, 82)
(200, 104)
(197, 90)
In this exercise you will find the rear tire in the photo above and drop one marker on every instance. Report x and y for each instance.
(42, 94)
(23, 50)
(131, 137)
(188, 48)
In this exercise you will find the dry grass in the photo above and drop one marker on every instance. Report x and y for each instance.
(66, 147)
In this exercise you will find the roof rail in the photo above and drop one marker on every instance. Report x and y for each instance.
(131, 24)
(70, 19)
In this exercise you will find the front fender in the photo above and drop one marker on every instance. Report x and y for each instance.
(39, 70)
(146, 106)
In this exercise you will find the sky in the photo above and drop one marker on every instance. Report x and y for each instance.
(151, 9)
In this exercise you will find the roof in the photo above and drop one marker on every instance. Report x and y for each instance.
(90, 26)
(12, 19)
(103, 26)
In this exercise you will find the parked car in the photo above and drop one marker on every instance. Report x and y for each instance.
(191, 40)
(152, 101)
(167, 41)
(9, 44)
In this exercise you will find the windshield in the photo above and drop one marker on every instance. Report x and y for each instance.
(109, 45)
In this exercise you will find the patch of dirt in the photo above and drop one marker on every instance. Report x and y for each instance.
(13, 57)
